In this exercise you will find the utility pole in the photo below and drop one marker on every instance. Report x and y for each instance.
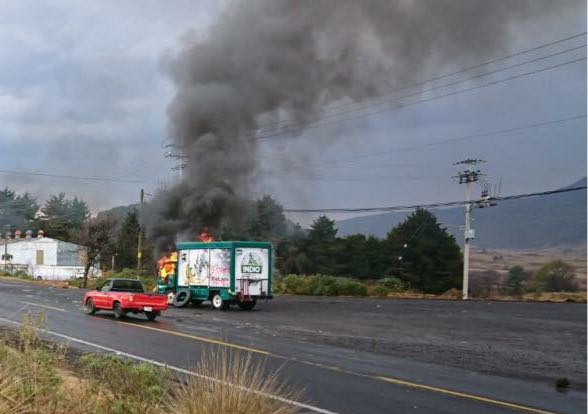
(467, 177)
(5, 257)
(140, 236)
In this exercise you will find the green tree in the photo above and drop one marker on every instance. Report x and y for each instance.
(321, 246)
(127, 240)
(361, 257)
(17, 211)
(268, 222)
(291, 259)
(515, 280)
(60, 217)
(322, 230)
(555, 276)
(423, 254)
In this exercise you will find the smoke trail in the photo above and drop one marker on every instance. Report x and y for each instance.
(287, 60)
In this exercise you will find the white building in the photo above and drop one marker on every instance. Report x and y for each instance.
(44, 257)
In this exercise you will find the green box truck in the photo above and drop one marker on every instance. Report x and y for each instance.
(225, 273)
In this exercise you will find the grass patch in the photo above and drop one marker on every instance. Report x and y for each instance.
(231, 383)
(40, 377)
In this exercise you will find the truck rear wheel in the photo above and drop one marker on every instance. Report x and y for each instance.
(119, 313)
(247, 305)
(182, 298)
(152, 315)
(89, 308)
(218, 303)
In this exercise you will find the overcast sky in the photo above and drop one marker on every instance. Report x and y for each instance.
(83, 92)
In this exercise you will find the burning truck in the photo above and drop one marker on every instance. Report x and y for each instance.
(225, 273)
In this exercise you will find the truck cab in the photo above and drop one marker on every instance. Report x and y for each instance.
(224, 273)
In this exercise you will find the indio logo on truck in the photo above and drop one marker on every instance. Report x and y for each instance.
(251, 263)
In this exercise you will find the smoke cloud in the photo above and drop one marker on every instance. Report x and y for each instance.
(287, 60)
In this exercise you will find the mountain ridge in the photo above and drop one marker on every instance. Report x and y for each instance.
(530, 223)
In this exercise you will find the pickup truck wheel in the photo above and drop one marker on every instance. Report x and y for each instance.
(119, 313)
(182, 298)
(89, 308)
(152, 315)
(218, 303)
(247, 305)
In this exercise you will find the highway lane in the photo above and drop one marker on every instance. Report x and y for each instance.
(334, 379)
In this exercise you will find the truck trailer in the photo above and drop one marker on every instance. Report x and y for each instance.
(224, 273)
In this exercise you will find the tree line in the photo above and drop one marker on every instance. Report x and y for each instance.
(418, 253)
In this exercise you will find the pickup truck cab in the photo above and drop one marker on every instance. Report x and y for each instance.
(123, 296)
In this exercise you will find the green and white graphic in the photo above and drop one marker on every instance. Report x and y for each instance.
(251, 270)
(251, 264)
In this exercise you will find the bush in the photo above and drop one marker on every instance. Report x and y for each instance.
(515, 281)
(323, 285)
(555, 276)
(393, 284)
(137, 387)
(381, 291)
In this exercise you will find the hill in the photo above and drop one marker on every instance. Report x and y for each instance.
(531, 223)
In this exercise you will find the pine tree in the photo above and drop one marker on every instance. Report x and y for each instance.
(268, 222)
(17, 211)
(127, 240)
(321, 246)
(423, 254)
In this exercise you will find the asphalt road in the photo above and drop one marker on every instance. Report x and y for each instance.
(355, 355)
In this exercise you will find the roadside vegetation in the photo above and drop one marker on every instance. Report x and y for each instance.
(417, 258)
(41, 377)
(554, 282)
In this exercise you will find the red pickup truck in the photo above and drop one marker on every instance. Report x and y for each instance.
(123, 296)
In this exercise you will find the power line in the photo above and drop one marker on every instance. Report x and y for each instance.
(456, 139)
(433, 98)
(426, 206)
(466, 69)
(72, 177)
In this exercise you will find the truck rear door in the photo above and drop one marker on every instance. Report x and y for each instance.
(252, 271)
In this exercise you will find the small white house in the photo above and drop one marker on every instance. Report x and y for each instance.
(44, 257)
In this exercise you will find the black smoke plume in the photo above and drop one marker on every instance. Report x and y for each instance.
(287, 60)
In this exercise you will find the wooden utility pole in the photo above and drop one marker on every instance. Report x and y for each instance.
(140, 236)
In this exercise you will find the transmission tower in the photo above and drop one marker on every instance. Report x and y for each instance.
(179, 156)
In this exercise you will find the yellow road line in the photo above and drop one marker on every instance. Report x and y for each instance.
(339, 369)
(464, 395)
(45, 306)
(200, 338)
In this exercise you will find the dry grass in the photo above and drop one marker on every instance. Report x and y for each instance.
(35, 379)
(559, 297)
(502, 260)
(232, 383)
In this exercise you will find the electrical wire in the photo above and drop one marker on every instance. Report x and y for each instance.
(73, 177)
(433, 98)
(427, 206)
(281, 124)
(450, 140)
